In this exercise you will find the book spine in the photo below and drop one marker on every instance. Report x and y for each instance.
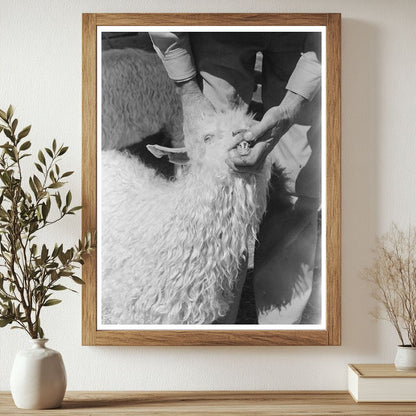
(353, 381)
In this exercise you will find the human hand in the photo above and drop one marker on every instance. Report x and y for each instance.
(194, 104)
(264, 135)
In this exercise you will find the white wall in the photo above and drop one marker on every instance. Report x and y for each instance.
(40, 73)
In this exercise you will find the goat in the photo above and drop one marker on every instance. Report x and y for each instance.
(171, 250)
(138, 99)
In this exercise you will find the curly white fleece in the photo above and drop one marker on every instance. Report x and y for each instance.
(171, 249)
(138, 99)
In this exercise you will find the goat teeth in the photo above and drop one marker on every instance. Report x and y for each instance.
(243, 148)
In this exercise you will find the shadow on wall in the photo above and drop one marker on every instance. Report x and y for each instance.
(361, 57)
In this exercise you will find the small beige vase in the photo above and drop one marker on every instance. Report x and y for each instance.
(38, 377)
(405, 358)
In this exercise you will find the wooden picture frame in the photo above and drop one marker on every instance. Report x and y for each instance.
(331, 333)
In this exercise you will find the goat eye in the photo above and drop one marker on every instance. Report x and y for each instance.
(208, 138)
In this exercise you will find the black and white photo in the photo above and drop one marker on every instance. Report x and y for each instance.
(212, 181)
(179, 241)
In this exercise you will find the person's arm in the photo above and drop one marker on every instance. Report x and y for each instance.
(306, 77)
(302, 86)
(174, 49)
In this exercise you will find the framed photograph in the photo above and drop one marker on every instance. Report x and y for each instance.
(211, 172)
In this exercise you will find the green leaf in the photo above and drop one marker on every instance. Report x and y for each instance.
(5, 321)
(14, 125)
(24, 132)
(67, 174)
(77, 208)
(76, 279)
(51, 302)
(33, 227)
(63, 150)
(45, 211)
(37, 183)
(49, 151)
(59, 287)
(56, 185)
(55, 251)
(33, 187)
(44, 253)
(58, 199)
(42, 194)
(10, 112)
(25, 145)
(54, 145)
(5, 179)
(4, 297)
(8, 133)
(68, 198)
(3, 115)
(40, 332)
(39, 167)
(41, 158)
(62, 257)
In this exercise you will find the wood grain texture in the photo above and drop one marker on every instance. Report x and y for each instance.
(380, 371)
(330, 336)
(212, 403)
(212, 338)
(89, 172)
(333, 177)
(211, 19)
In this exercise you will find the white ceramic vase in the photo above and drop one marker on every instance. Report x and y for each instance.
(405, 358)
(38, 378)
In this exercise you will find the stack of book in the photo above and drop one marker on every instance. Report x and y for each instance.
(381, 383)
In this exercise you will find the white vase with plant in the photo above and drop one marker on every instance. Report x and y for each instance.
(30, 272)
(393, 276)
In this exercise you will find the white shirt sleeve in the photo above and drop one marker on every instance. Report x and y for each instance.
(306, 77)
(174, 49)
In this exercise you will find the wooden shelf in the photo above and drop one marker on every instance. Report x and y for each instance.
(318, 403)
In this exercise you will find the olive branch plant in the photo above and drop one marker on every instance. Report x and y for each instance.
(393, 278)
(31, 273)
